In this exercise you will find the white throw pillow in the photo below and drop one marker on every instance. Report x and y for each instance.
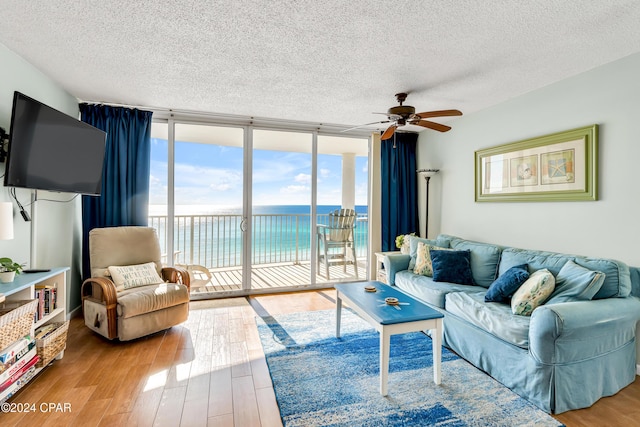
(131, 276)
(533, 292)
(423, 265)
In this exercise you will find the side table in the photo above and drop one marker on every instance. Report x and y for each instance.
(381, 274)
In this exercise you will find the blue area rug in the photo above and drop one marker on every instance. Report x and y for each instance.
(321, 380)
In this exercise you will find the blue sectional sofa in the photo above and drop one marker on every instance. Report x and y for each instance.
(565, 355)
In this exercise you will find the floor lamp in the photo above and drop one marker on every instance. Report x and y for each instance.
(427, 173)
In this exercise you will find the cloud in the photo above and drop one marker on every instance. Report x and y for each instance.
(270, 167)
(223, 186)
(206, 177)
(303, 178)
(324, 173)
(295, 189)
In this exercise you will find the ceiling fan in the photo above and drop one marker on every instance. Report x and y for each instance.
(406, 115)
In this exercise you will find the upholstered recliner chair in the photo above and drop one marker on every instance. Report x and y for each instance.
(130, 294)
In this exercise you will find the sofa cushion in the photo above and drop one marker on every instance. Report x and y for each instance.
(617, 278)
(617, 281)
(492, 317)
(576, 283)
(452, 266)
(507, 284)
(150, 298)
(485, 258)
(425, 289)
(533, 293)
(423, 259)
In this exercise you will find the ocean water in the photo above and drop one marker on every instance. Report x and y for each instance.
(280, 233)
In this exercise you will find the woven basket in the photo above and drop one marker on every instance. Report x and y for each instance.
(51, 345)
(16, 320)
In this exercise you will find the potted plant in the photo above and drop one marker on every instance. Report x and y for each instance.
(9, 269)
(402, 242)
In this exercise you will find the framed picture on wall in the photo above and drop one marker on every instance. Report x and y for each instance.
(559, 167)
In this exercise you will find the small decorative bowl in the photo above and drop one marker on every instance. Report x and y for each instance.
(391, 300)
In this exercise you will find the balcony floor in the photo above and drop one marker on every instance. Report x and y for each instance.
(269, 277)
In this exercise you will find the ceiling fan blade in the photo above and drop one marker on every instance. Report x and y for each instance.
(432, 125)
(389, 132)
(440, 113)
(391, 116)
(367, 124)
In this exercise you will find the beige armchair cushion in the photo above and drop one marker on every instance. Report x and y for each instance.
(145, 299)
(106, 249)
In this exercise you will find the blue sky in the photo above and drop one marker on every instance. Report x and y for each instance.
(211, 175)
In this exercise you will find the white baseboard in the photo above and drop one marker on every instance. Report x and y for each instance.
(637, 369)
(78, 312)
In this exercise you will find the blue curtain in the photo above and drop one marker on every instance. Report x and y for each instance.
(125, 176)
(399, 188)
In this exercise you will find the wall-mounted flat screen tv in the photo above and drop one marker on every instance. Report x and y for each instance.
(50, 150)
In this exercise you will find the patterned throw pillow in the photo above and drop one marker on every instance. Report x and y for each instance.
(533, 292)
(424, 265)
(131, 276)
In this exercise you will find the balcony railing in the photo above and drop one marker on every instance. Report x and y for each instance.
(215, 241)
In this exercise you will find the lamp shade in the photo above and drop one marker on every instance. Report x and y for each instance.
(6, 220)
(428, 172)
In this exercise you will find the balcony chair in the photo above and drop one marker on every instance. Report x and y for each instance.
(130, 294)
(199, 275)
(337, 234)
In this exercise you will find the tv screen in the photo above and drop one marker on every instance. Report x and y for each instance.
(49, 150)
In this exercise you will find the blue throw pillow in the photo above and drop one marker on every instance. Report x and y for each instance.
(503, 288)
(576, 283)
(452, 266)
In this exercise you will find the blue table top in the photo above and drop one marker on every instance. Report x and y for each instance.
(373, 303)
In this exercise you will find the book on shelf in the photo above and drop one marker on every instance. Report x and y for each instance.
(13, 365)
(18, 355)
(19, 373)
(20, 382)
(40, 309)
(13, 349)
(47, 301)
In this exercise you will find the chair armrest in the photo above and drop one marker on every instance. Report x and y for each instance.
(176, 275)
(394, 263)
(107, 296)
(575, 331)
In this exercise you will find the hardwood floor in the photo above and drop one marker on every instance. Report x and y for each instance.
(209, 371)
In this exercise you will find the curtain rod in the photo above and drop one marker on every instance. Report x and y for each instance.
(166, 113)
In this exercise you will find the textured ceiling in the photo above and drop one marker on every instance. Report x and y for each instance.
(319, 61)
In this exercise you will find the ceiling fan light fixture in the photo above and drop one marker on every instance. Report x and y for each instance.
(401, 115)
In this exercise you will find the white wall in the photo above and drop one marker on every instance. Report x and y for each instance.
(56, 223)
(609, 96)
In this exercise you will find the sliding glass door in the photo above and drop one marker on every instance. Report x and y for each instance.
(281, 210)
(207, 203)
(342, 183)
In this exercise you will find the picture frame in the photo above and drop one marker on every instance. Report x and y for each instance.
(558, 167)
